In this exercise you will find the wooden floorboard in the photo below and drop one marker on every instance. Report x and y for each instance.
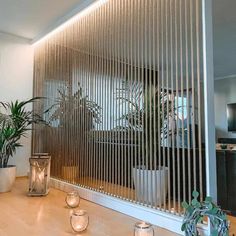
(48, 216)
(232, 225)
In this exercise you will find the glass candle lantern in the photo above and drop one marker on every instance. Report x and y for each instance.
(143, 229)
(72, 199)
(79, 220)
(39, 174)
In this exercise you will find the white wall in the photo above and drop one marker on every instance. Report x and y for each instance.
(16, 82)
(225, 92)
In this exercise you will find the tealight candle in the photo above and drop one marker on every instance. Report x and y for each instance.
(73, 199)
(79, 220)
(143, 229)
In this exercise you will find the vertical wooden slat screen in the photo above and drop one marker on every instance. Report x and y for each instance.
(122, 91)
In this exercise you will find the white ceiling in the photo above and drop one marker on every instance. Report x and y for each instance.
(30, 18)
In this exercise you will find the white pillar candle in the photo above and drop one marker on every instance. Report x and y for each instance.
(143, 229)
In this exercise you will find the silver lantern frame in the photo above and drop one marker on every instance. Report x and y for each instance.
(39, 176)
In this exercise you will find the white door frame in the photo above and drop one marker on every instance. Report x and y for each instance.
(208, 72)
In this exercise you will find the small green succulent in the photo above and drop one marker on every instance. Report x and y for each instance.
(196, 211)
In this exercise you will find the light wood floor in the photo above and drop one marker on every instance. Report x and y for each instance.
(232, 225)
(48, 216)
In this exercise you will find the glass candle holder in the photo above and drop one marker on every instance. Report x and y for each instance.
(73, 199)
(79, 220)
(143, 229)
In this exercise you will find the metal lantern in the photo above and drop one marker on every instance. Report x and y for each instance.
(39, 174)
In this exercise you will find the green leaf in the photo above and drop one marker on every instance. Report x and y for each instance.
(210, 206)
(190, 209)
(214, 232)
(208, 199)
(215, 210)
(183, 227)
(195, 194)
(224, 217)
(185, 205)
(195, 202)
(200, 220)
(198, 205)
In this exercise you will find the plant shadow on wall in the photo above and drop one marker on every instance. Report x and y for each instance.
(72, 116)
(15, 122)
(150, 111)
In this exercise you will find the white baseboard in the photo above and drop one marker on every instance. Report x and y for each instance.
(162, 219)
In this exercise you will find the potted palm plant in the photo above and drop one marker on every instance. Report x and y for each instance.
(150, 178)
(67, 108)
(15, 121)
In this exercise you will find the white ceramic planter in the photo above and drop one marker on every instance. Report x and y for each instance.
(7, 178)
(151, 185)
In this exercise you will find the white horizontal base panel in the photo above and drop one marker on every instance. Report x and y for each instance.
(162, 219)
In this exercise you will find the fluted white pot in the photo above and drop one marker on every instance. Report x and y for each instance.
(7, 178)
(151, 185)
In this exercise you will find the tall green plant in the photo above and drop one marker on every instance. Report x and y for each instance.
(15, 121)
(149, 106)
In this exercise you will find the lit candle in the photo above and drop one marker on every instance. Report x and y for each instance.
(39, 180)
(72, 199)
(41, 176)
(143, 229)
(172, 210)
(79, 220)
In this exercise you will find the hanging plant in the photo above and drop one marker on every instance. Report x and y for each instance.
(196, 211)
